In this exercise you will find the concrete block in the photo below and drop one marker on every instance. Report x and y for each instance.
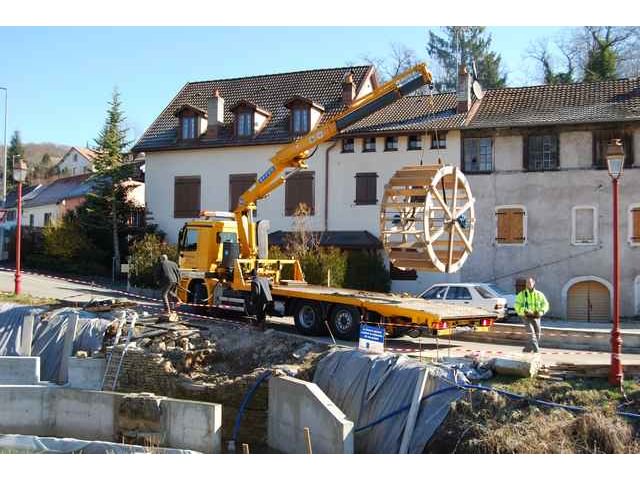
(192, 425)
(84, 414)
(26, 337)
(93, 415)
(517, 367)
(295, 404)
(25, 410)
(67, 346)
(19, 370)
(86, 373)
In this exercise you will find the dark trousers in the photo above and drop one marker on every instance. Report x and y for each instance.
(167, 290)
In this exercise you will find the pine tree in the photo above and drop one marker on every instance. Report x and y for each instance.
(110, 149)
(465, 45)
(15, 150)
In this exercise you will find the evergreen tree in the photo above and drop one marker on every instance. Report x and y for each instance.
(16, 149)
(464, 45)
(110, 149)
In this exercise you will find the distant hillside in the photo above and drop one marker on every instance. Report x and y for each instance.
(35, 151)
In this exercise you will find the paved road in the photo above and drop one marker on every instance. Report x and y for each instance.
(41, 286)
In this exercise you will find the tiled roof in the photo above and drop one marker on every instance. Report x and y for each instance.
(27, 190)
(269, 92)
(62, 188)
(88, 153)
(413, 113)
(614, 100)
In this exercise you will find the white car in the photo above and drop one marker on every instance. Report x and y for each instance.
(473, 294)
(510, 297)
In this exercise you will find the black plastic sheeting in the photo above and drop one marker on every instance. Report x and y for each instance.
(368, 387)
(48, 335)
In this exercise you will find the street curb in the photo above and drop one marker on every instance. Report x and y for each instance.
(553, 337)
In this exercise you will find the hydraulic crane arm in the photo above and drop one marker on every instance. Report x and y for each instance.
(295, 154)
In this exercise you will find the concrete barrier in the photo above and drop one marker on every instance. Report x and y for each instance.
(93, 415)
(19, 370)
(295, 404)
(555, 337)
(86, 373)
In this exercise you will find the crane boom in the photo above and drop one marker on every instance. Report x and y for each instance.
(296, 153)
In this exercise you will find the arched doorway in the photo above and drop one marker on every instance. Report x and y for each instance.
(588, 300)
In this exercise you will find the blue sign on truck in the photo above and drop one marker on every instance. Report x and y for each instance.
(371, 339)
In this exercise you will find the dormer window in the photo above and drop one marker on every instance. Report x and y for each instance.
(188, 128)
(305, 114)
(193, 122)
(249, 118)
(244, 121)
(300, 120)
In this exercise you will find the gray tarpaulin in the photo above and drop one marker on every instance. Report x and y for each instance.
(368, 387)
(34, 444)
(48, 334)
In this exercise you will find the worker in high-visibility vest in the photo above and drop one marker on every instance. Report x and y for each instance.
(531, 305)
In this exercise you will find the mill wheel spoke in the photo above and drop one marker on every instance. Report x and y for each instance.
(464, 238)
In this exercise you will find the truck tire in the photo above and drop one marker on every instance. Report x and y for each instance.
(345, 322)
(308, 318)
(199, 293)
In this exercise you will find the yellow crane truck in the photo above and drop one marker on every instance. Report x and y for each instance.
(221, 252)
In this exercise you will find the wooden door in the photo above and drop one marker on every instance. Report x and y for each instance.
(588, 301)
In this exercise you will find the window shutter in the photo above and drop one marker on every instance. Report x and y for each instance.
(186, 200)
(502, 233)
(366, 191)
(584, 225)
(628, 149)
(238, 184)
(299, 188)
(635, 220)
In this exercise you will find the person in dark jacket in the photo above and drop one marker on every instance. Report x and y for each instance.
(167, 275)
(261, 299)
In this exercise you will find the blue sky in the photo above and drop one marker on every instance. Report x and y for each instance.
(60, 79)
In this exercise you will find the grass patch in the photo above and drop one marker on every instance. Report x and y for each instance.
(25, 299)
(485, 422)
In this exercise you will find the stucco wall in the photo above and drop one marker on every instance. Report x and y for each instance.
(69, 162)
(549, 198)
(38, 214)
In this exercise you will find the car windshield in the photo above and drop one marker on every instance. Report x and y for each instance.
(435, 293)
(497, 289)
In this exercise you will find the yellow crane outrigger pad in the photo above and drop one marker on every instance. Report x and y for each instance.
(427, 218)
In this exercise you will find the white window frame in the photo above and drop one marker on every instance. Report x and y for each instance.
(632, 242)
(525, 232)
(188, 127)
(595, 225)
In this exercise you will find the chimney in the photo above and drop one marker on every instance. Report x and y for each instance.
(215, 112)
(348, 89)
(464, 90)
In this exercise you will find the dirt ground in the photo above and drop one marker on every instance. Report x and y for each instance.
(486, 422)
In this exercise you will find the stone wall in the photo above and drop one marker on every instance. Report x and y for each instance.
(151, 372)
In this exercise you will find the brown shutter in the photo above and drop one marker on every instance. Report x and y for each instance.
(186, 197)
(238, 184)
(299, 189)
(366, 188)
(510, 225)
(635, 221)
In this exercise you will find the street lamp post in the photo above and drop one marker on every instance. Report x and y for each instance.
(615, 165)
(4, 150)
(19, 175)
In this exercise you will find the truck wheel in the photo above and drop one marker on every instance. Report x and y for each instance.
(308, 318)
(345, 322)
(199, 293)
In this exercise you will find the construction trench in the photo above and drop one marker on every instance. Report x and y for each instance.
(106, 384)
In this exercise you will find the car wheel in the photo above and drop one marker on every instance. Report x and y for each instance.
(345, 322)
(308, 318)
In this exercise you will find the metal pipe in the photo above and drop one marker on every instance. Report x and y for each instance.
(4, 150)
(615, 374)
(326, 185)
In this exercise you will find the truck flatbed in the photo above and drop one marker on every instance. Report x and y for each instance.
(417, 310)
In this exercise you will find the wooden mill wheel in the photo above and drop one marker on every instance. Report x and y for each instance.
(427, 218)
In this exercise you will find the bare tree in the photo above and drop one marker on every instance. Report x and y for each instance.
(399, 58)
(548, 64)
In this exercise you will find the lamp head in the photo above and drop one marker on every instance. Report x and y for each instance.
(615, 158)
